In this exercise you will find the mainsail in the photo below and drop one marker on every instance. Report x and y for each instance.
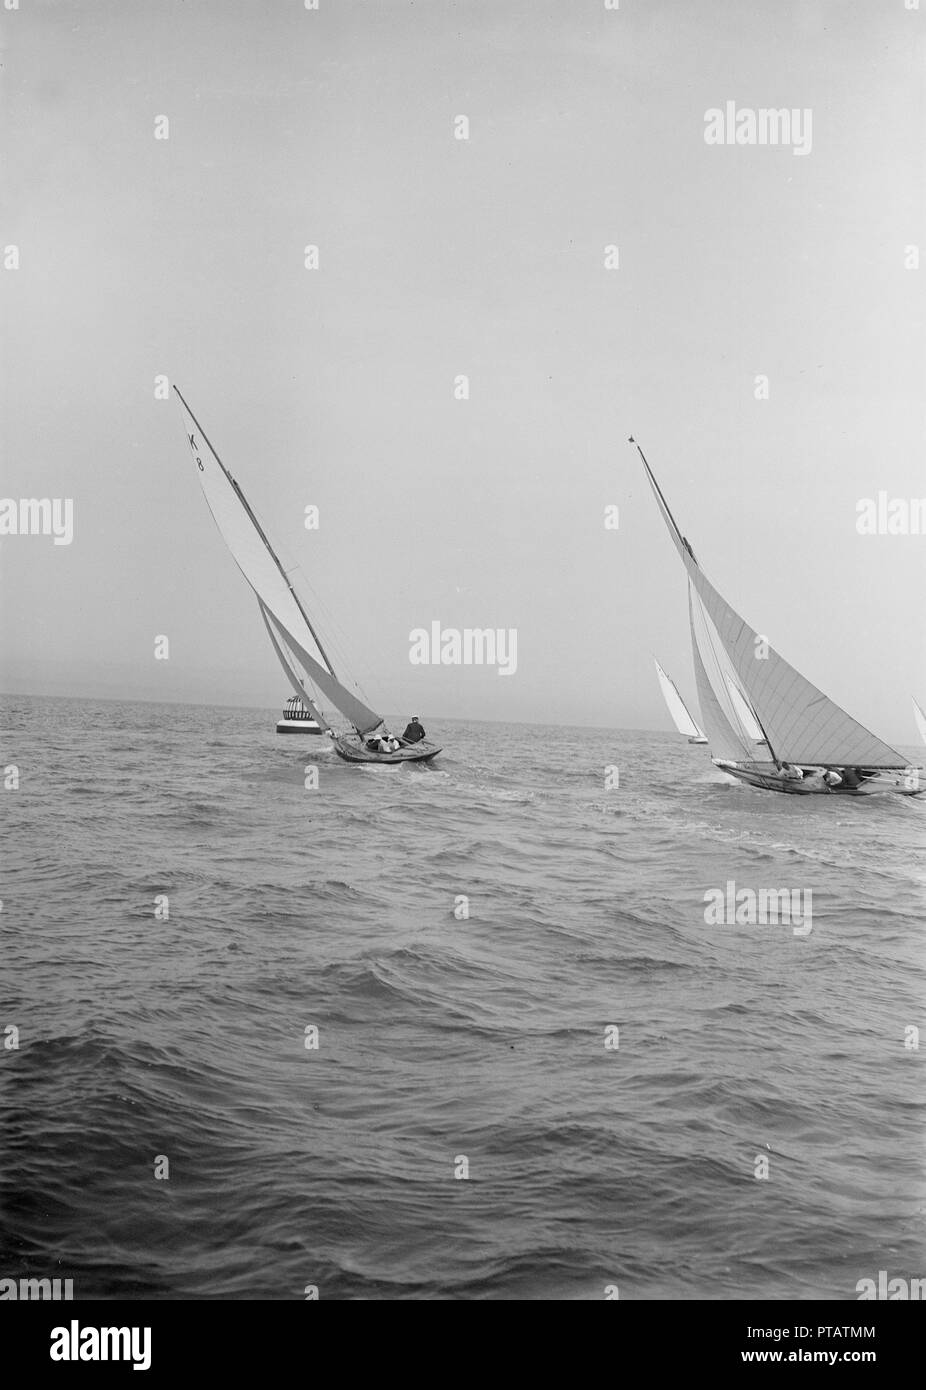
(261, 567)
(800, 723)
(676, 705)
(920, 718)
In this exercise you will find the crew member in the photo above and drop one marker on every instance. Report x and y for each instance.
(414, 732)
(822, 779)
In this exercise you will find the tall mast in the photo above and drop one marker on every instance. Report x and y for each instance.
(260, 531)
(675, 527)
(659, 493)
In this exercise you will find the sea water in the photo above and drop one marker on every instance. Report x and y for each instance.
(448, 1031)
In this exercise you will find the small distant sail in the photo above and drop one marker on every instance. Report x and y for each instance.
(920, 718)
(261, 567)
(676, 706)
(744, 711)
(802, 725)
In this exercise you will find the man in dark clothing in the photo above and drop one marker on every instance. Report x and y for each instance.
(414, 733)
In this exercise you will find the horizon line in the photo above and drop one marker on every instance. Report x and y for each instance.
(203, 704)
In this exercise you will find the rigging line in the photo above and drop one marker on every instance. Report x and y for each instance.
(332, 626)
(260, 531)
(340, 640)
(342, 653)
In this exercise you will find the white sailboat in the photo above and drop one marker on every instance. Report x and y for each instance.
(920, 718)
(813, 745)
(292, 634)
(681, 716)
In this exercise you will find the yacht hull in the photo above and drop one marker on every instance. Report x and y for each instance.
(353, 750)
(765, 777)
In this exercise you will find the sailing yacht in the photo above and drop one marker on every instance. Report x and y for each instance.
(749, 696)
(681, 717)
(292, 634)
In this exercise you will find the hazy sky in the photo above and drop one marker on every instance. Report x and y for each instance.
(439, 257)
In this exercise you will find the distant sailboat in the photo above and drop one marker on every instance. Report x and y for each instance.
(677, 708)
(291, 632)
(920, 718)
(808, 737)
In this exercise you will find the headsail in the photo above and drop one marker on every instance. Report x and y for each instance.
(681, 716)
(360, 715)
(725, 739)
(295, 682)
(261, 567)
(744, 711)
(801, 724)
(920, 718)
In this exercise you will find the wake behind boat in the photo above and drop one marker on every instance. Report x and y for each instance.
(292, 634)
(751, 698)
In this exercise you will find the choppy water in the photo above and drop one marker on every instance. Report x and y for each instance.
(440, 1037)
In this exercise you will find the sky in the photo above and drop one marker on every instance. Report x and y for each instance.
(439, 257)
